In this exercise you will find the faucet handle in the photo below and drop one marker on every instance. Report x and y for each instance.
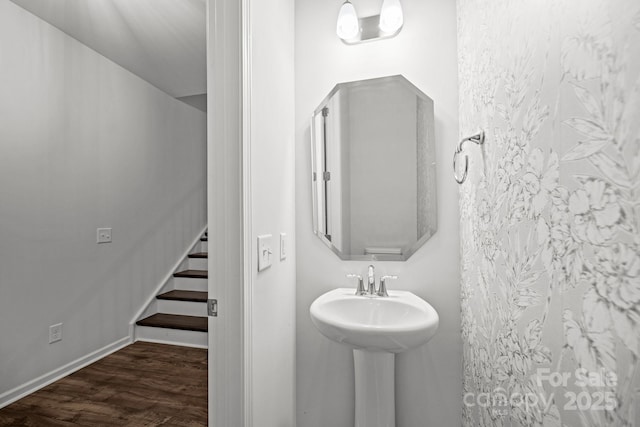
(360, 290)
(382, 290)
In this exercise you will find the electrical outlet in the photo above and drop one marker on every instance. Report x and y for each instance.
(55, 333)
(104, 235)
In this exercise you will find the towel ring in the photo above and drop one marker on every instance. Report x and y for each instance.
(478, 138)
(466, 167)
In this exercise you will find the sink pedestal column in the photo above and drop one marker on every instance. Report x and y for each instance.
(375, 392)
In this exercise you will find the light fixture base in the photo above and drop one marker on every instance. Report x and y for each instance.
(370, 31)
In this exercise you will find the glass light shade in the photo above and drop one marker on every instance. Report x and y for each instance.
(348, 26)
(391, 17)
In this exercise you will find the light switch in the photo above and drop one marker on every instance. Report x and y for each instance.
(283, 246)
(265, 251)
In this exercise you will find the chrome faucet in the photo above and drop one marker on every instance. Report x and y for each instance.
(371, 281)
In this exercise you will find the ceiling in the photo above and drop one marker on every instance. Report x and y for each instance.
(161, 41)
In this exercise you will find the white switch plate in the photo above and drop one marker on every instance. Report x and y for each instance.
(283, 246)
(104, 235)
(55, 333)
(265, 251)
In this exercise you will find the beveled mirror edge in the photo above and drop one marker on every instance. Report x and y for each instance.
(356, 83)
(314, 193)
(380, 257)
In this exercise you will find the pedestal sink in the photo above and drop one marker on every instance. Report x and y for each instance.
(375, 328)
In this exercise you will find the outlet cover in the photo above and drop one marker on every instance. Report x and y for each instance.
(55, 333)
(104, 235)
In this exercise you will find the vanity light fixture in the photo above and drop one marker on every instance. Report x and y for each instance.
(391, 17)
(353, 30)
(348, 26)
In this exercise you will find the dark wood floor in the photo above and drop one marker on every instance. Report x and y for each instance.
(143, 384)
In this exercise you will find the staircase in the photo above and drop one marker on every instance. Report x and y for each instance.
(178, 314)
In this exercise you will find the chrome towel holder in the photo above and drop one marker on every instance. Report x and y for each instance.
(478, 138)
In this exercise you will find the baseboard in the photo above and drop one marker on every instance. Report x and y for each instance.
(44, 380)
(152, 295)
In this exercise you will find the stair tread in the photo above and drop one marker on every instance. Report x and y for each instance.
(198, 274)
(180, 295)
(175, 321)
(199, 255)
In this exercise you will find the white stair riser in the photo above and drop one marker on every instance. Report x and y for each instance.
(190, 284)
(188, 308)
(204, 247)
(198, 264)
(172, 336)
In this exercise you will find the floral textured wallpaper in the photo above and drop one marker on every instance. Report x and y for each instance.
(550, 212)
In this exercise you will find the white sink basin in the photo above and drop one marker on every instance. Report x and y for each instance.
(390, 324)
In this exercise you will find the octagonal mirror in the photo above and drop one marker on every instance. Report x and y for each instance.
(374, 177)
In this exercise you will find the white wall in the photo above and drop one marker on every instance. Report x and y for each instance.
(272, 205)
(84, 144)
(428, 378)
